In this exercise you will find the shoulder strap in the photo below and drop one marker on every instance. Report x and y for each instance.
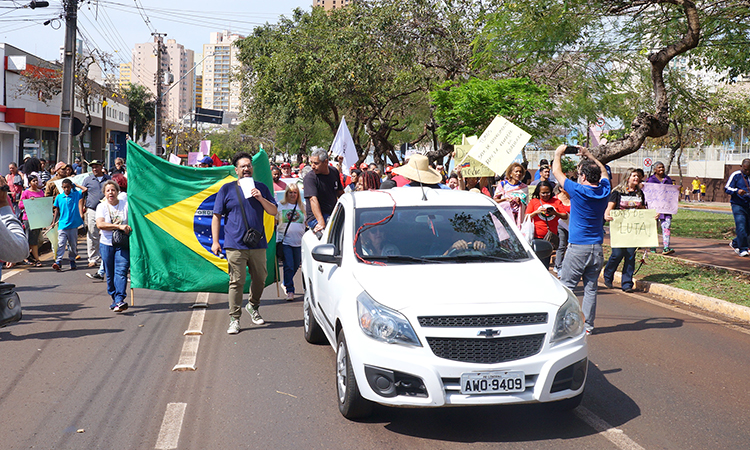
(289, 222)
(241, 199)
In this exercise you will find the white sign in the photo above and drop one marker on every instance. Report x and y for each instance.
(498, 146)
(247, 184)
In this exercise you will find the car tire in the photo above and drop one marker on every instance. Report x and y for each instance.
(313, 332)
(568, 404)
(351, 403)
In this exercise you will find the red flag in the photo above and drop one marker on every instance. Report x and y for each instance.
(216, 160)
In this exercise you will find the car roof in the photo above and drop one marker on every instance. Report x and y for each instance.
(414, 196)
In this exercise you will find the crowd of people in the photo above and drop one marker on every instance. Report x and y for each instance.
(568, 210)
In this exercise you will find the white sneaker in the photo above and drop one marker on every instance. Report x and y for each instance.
(254, 315)
(744, 253)
(234, 326)
(289, 296)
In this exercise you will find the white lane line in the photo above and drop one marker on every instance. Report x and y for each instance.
(169, 434)
(189, 352)
(8, 274)
(614, 435)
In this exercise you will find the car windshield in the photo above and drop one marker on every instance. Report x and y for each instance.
(436, 235)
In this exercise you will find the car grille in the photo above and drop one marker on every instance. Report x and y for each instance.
(486, 351)
(496, 320)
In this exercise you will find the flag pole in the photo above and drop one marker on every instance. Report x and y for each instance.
(132, 297)
(276, 261)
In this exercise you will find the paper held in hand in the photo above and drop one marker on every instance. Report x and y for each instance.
(633, 228)
(499, 145)
(247, 184)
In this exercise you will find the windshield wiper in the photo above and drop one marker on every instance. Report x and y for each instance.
(479, 258)
(400, 258)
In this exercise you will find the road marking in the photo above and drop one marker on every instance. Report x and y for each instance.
(612, 434)
(189, 352)
(689, 313)
(7, 275)
(169, 434)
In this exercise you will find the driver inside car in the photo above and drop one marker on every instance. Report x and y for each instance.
(462, 245)
(374, 243)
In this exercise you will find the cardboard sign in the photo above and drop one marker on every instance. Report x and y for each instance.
(39, 212)
(662, 197)
(77, 181)
(633, 228)
(471, 168)
(498, 146)
(174, 159)
(193, 158)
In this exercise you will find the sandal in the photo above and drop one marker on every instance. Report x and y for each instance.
(38, 264)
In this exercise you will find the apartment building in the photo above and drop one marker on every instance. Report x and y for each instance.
(221, 88)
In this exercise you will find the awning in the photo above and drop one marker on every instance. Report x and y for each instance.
(7, 129)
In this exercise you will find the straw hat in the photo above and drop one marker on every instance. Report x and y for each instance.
(418, 169)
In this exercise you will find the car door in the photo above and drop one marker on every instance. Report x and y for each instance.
(328, 276)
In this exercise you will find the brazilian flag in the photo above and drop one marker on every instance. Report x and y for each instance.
(170, 209)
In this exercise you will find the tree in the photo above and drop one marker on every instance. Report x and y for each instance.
(468, 108)
(141, 111)
(577, 42)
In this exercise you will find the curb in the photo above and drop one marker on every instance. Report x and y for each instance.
(703, 302)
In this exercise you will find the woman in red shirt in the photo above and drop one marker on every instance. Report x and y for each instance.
(545, 211)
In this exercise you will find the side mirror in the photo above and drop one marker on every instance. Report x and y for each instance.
(542, 248)
(326, 253)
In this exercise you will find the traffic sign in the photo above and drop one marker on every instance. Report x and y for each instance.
(647, 162)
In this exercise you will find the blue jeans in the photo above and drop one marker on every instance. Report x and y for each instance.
(560, 253)
(67, 238)
(741, 221)
(311, 224)
(618, 254)
(116, 265)
(292, 261)
(583, 261)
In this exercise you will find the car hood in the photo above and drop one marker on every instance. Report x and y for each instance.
(401, 286)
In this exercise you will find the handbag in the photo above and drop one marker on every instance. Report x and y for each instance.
(279, 245)
(551, 237)
(527, 229)
(251, 237)
(120, 239)
(10, 305)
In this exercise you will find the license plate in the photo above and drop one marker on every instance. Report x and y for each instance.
(498, 382)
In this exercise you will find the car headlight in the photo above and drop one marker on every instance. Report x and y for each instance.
(569, 321)
(384, 324)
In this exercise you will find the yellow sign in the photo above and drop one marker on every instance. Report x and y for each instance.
(633, 228)
(499, 145)
(470, 167)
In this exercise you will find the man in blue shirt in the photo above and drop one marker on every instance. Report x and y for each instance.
(239, 255)
(68, 208)
(588, 200)
(738, 186)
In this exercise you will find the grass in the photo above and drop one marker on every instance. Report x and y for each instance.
(716, 283)
(701, 224)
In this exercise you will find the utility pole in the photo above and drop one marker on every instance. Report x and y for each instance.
(65, 142)
(158, 113)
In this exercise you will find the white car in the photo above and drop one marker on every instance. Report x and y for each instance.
(430, 298)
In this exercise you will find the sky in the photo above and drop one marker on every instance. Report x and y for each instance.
(115, 26)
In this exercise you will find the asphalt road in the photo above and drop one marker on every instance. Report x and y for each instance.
(77, 376)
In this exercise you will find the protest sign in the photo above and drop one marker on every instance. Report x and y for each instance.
(53, 242)
(499, 144)
(174, 159)
(205, 148)
(39, 212)
(470, 167)
(77, 181)
(193, 158)
(662, 197)
(633, 228)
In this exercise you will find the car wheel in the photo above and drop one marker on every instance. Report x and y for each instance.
(568, 404)
(351, 403)
(313, 332)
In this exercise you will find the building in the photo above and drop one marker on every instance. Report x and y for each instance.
(176, 63)
(29, 122)
(221, 88)
(331, 4)
(199, 91)
(126, 71)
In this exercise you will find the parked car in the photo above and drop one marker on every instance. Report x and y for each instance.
(431, 298)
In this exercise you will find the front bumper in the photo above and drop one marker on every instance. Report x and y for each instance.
(441, 377)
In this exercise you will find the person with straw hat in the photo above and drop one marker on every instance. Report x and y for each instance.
(419, 172)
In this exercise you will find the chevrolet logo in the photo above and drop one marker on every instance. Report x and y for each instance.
(489, 333)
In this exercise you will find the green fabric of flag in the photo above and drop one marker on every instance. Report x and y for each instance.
(262, 173)
(170, 210)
